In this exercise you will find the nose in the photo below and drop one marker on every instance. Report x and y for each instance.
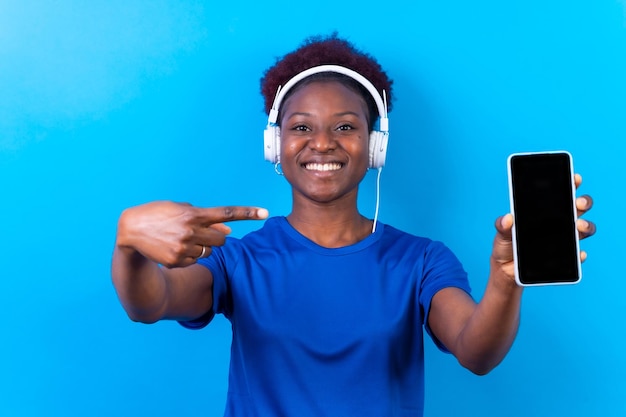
(323, 141)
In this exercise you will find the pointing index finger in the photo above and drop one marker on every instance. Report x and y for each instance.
(230, 213)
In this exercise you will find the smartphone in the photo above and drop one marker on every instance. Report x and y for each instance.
(542, 194)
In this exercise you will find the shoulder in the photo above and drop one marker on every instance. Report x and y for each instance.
(270, 234)
(392, 237)
(235, 250)
(273, 230)
(430, 251)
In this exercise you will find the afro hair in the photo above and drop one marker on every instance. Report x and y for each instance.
(325, 50)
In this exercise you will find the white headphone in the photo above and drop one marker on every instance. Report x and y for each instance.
(377, 140)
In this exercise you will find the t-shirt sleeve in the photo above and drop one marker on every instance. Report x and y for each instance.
(217, 265)
(442, 269)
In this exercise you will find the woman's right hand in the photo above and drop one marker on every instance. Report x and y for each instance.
(177, 234)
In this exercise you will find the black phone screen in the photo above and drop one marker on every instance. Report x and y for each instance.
(545, 235)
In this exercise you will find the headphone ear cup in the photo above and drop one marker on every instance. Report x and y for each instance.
(378, 148)
(271, 139)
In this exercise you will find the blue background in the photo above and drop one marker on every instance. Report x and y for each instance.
(109, 104)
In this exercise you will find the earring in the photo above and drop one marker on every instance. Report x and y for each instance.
(278, 169)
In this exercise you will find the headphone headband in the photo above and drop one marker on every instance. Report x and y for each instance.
(381, 102)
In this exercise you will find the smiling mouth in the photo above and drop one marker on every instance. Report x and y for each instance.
(331, 166)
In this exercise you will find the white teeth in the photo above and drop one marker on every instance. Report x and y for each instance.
(333, 166)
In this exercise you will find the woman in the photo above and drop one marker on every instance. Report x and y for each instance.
(327, 306)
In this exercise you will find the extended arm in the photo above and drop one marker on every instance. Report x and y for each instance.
(480, 335)
(150, 293)
(154, 267)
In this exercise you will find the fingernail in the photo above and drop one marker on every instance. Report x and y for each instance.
(262, 213)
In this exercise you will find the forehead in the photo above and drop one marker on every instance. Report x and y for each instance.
(329, 91)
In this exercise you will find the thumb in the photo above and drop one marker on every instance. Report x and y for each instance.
(504, 224)
(221, 227)
(502, 251)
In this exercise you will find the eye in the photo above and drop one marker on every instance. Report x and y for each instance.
(300, 128)
(345, 127)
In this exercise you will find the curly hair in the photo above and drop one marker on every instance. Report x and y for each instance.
(327, 50)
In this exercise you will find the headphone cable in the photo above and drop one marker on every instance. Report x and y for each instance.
(380, 169)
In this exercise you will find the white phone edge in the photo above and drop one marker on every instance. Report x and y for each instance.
(512, 211)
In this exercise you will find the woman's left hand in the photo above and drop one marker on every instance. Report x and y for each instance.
(502, 253)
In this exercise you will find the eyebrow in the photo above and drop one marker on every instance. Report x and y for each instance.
(345, 113)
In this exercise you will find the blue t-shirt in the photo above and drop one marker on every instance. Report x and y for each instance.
(327, 332)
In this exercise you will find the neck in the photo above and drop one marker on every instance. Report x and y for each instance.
(329, 225)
